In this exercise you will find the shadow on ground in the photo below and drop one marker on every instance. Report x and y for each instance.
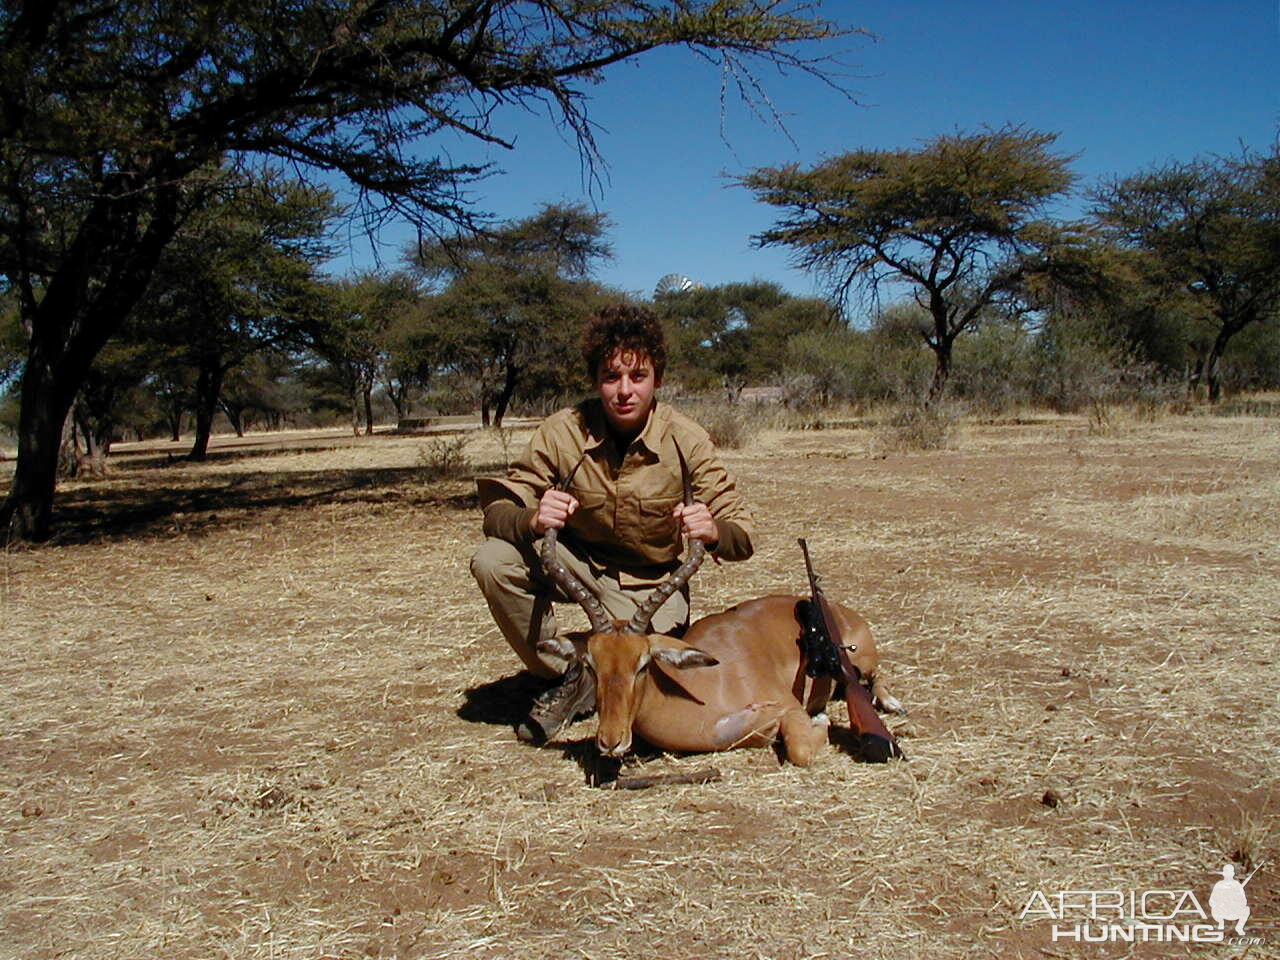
(157, 504)
(507, 702)
(503, 702)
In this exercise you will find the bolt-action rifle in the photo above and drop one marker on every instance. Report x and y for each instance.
(827, 654)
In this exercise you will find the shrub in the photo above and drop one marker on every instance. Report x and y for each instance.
(730, 426)
(918, 426)
(444, 458)
(993, 369)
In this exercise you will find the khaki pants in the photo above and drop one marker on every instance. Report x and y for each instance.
(520, 598)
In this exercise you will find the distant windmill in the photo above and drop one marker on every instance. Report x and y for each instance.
(672, 283)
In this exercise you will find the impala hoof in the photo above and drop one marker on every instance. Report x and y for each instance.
(873, 748)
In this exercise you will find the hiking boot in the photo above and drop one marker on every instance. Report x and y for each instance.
(574, 696)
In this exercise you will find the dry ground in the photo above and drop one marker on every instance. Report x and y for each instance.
(255, 708)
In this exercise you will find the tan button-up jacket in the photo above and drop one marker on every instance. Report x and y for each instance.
(623, 522)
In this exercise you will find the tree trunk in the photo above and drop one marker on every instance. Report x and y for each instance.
(398, 394)
(69, 326)
(97, 440)
(71, 462)
(941, 371)
(1212, 370)
(940, 343)
(48, 390)
(235, 416)
(354, 394)
(366, 396)
(1211, 377)
(208, 386)
(509, 381)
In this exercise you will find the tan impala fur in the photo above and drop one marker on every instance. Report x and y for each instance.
(735, 679)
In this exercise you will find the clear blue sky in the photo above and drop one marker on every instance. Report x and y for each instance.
(1125, 85)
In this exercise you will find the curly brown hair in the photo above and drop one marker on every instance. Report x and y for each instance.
(623, 327)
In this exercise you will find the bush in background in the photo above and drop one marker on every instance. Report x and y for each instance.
(732, 426)
(444, 458)
(919, 426)
(994, 369)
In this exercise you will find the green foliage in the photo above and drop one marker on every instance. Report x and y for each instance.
(510, 305)
(13, 339)
(8, 419)
(960, 220)
(1079, 366)
(237, 280)
(730, 425)
(919, 426)
(898, 365)
(834, 365)
(1252, 360)
(444, 458)
(1207, 235)
(823, 366)
(735, 335)
(359, 333)
(133, 95)
(993, 368)
(265, 390)
(111, 399)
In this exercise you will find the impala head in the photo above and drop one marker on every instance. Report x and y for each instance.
(619, 652)
(619, 659)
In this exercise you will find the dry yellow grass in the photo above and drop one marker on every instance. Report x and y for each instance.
(256, 709)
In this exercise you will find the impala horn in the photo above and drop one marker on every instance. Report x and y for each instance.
(639, 622)
(560, 575)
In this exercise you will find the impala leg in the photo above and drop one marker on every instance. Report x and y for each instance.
(754, 725)
(884, 699)
(803, 735)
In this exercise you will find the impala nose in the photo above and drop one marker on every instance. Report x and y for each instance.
(615, 748)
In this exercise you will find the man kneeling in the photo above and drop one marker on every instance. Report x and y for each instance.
(621, 517)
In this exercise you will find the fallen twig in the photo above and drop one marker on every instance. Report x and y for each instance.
(705, 775)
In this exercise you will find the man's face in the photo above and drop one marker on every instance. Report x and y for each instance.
(626, 382)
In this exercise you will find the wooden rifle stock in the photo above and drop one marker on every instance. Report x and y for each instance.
(876, 742)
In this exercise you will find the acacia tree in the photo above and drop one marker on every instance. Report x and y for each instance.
(962, 220)
(357, 336)
(510, 300)
(264, 388)
(113, 114)
(238, 279)
(737, 332)
(171, 385)
(1210, 230)
(112, 384)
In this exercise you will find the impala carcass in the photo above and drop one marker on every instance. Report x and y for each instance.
(737, 678)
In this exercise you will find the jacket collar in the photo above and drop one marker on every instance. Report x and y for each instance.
(598, 428)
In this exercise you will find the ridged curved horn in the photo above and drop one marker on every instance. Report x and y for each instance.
(639, 622)
(577, 591)
(601, 622)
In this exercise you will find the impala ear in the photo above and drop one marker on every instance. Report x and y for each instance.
(683, 657)
(561, 647)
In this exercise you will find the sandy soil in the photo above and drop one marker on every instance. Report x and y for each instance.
(255, 708)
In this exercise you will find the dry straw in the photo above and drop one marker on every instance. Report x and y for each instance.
(256, 709)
